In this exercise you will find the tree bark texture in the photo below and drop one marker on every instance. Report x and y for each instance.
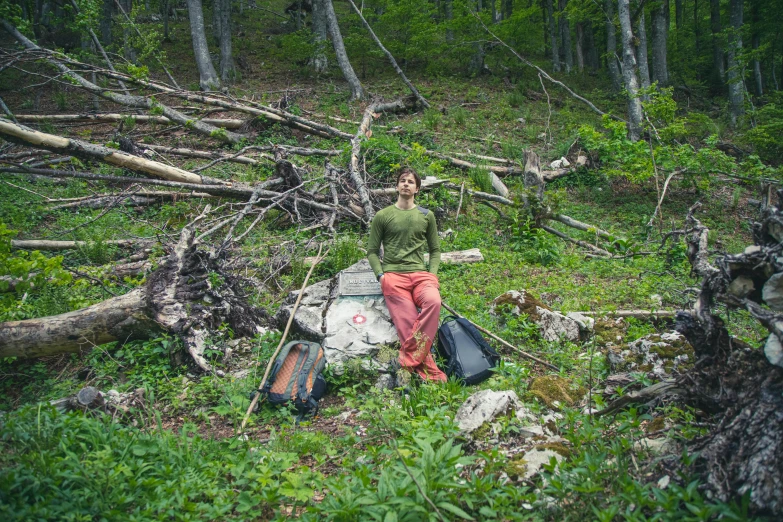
(105, 24)
(734, 74)
(660, 37)
(565, 35)
(553, 35)
(741, 385)
(90, 151)
(357, 93)
(208, 78)
(172, 300)
(755, 42)
(580, 42)
(320, 36)
(641, 51)
(227, 67)
(629, 71)
(611, 46)
(718, 64)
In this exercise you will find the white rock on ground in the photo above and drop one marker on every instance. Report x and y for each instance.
(535, 460)
(773, 350)
(487, 405)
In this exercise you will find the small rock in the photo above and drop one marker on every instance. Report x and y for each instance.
(535, 460)
(220, 373)
(654, 446)
(385, 382)
(772, 293)
(752, 249)
(581, 161)
(742, 287)
(586, 324)
(344, 416)
(485, 406)
(773, 350)
(521, 120)
(663, 482)
(542, 136)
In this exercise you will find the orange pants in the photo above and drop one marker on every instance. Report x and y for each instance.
(405, 294)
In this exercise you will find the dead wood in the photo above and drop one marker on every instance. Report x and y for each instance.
(481, 195)
(637, 314)
(583, 244)
(374, 110)
(57, 246)
(573, 223)
(739, 385)
(190, 153)
(141, 102)
(90, 151)
(389, 55)
(222, 123)
(179, 298)
(458, 257)
(138, 199)
(650, 393)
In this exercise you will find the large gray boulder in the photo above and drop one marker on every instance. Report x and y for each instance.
(353, 329)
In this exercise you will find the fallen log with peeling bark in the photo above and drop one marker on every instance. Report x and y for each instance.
(179, 298)
(223, 123)
(57, 246)
(91, 151)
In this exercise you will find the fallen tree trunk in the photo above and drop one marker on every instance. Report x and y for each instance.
(139, 199)
(57, 246)
(113, 118)
(90, 151)
(174, 299)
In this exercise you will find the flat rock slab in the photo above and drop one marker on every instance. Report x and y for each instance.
(535, 460)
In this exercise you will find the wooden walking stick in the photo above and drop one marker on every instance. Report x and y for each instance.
(318, 259)
(501, 341)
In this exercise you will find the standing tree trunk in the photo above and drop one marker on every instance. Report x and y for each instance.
(611, 46)
(448, 7)
(553, 35)
(629, 71)
(641, 52)
(593, 61)
(565, 34)
(718, 65)
(734, 72)
(208, 78)
(227, 67)
(679, 13)
(320, 32)
(357, 93)
(128, 50)
(508, 9)
(165, 6)
(105, 25)
(755, 41)
(660, 36)
(580, 41)
(696, 27)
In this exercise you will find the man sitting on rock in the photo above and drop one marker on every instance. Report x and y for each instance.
(406, 232)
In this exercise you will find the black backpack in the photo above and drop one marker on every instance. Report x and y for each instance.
(296, 376)
(469, 357)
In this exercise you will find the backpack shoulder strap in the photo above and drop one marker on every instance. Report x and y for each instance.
(423, 210)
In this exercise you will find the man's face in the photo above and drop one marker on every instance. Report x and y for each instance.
(407, 185)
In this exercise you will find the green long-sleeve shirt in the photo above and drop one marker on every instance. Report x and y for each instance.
(406, 236)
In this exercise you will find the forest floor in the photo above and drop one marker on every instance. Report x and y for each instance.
(176, 454)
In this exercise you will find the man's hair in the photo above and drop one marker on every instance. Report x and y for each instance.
(407, 170)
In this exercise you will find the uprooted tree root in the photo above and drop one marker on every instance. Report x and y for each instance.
(740, 385)
(189, 295)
